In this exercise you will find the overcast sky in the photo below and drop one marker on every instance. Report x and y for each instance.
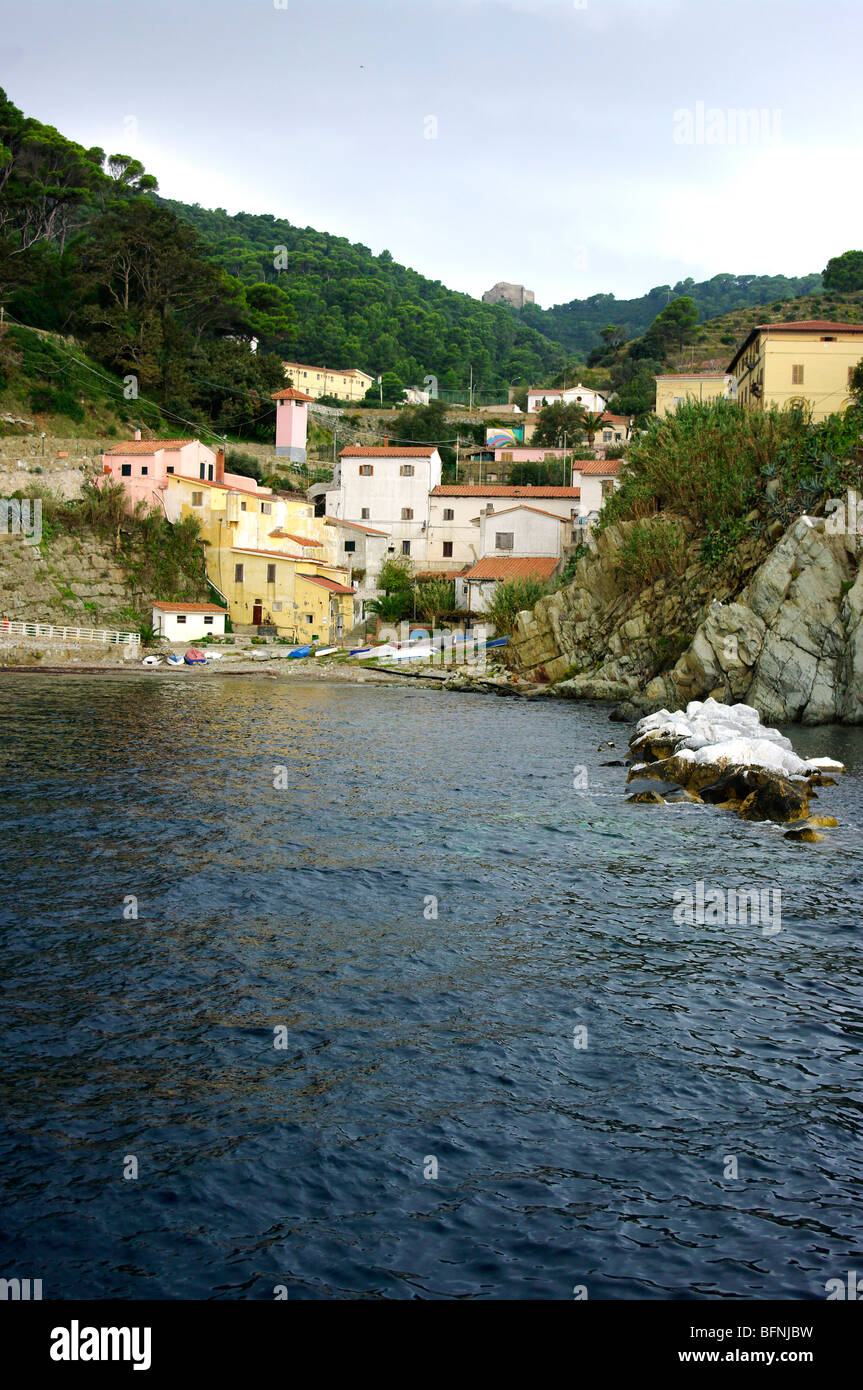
(556, 144)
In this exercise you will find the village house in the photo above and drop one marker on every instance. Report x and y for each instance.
(387, 489)
(807, 363)
(187, 622)
(348, 385)
(453, 536)
(673, 388)
(362, 550)
(585, 396)
(476, 587)
(596, 480)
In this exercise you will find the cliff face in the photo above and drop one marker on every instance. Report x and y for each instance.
(781, 629)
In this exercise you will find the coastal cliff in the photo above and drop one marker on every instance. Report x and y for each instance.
(779, 626)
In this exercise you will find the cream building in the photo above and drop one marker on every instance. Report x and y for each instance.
(349, 385)
(676, 387)
(807, 364)
(455, 509)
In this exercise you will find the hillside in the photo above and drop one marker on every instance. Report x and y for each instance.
(333, 303)
(578, 324)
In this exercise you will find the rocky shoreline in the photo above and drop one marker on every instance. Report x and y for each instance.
(779, 626)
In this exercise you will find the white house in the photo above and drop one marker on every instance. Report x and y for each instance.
(388, 488)
(362, 550)
(475, 588)
(522, 531)
(187, 622)
(454, 508)
(596, 480)
(585, 396)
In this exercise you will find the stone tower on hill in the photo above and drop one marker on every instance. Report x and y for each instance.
(504, 293)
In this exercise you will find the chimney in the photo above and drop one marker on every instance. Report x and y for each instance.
(386, 441)
(137, 434)
(220, 465)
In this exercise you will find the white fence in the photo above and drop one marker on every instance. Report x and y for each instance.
(107, 636)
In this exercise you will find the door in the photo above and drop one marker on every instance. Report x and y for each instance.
(257, 614)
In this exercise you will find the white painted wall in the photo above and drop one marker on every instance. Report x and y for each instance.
(464, 535)
(385, 495)
(532, 533)
(196, 625)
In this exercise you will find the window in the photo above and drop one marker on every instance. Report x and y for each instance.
(197, 499)
(277, 606)
(310, 617)
(126, 470)
(364, 514)
(407, 513)
(208, 620)
(210, 473)
(238, 574)
(447, 550)
(797, 374)
(504, 540)
(366, 470)
(406, 470)
(406, 547)
(170, 468)
(181, 617)
(350, 545)
(448, 514)
(266, 508)
(144, 470)
(606, 436)
(242, 506)
(271, 574)
(506, 457)
(203, 471)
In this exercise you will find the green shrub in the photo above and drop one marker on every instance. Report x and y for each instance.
(703, 462)
(652, 550)
(512, 598)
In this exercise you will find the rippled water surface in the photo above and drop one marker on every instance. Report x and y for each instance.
(410, 1038)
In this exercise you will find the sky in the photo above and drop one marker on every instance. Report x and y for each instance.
(575, 147)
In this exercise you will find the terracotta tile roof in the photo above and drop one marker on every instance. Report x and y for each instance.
(221, 487)
(514, 567)
(693, 376)
(325, 583)
(355, 526)
(538, 510)
(290, 393)
(300, 540)
(276, 554)
(794, 326)
(188, 607)
(499, 490)
(386, 451)
(149, 446)
(598, 467)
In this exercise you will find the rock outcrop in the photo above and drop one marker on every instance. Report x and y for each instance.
(723, 755)
(781, 628)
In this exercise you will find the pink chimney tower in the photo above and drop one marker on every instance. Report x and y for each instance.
(292, 410)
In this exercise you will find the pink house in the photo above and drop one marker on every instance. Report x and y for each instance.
(143, 465)
(292, 411)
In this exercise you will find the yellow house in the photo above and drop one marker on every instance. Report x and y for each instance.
(263, 552)
(349, 385)
(675, 387)
(807, 363)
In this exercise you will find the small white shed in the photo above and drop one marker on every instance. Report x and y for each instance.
(186, 622)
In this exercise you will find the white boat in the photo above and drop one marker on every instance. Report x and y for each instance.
(326, 651)
(152, 661)
(174, 660)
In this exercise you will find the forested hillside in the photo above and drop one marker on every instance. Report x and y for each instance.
(579, 324)
(322, 299)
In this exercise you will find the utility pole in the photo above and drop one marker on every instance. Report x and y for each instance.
(470, 393)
